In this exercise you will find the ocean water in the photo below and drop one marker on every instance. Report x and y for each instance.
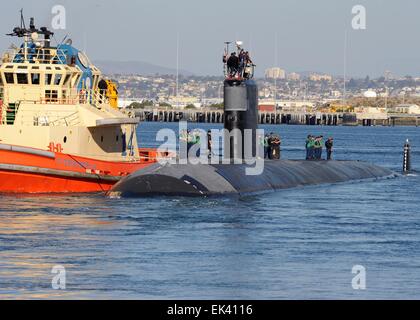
(293, 244)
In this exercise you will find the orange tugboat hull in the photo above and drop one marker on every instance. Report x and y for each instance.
(27, 170)
(31, 183)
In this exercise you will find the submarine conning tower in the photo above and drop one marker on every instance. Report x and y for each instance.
(240, 105)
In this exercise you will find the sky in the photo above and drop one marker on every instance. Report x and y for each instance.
(310, 34)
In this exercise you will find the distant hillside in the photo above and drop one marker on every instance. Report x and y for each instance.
(136, 67)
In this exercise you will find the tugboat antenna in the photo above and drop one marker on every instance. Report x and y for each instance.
(62, 41)
(22, 20)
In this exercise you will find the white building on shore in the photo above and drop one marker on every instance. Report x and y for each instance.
(275, 73)
(405, 108)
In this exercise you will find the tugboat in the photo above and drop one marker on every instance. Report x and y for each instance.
(60, 127)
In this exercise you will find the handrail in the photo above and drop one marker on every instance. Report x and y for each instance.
(92, 97)
(7, 114)
(35, 55)
(49, 117)
(67, 120)
(246, 72)
(1, 113)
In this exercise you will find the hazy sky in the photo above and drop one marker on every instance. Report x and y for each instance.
(310, 33)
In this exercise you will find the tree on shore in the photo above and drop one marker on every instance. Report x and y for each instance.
(141, 105)
(165, 105)
(216, 106)
(381, 102)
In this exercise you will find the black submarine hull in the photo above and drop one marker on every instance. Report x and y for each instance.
(219, 180)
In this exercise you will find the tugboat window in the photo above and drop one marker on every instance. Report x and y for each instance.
(48, 78)
(51, 95)
(35, 78)
(65, 139)
(22, 78)
(66, 80)
(76, 81)
(9, 78)
(57, 79)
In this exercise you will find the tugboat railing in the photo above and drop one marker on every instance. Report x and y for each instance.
(2, 113)
(47, 118)
(44, 117)
(53, 117)
(92, 97)
(70, 120)
(35, 55)
(1, 105)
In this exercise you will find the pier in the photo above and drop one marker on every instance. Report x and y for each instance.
(217, 116)
(281, 117)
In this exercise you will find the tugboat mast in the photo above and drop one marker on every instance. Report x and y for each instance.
(31, 42)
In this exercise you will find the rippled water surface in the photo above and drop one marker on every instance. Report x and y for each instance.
(296, 244)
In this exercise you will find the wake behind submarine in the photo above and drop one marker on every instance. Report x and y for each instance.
(241, 114)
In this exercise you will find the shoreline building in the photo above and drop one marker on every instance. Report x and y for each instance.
(275, 73)
(293, 76)
(320, 77)
(371, 94)
(405, 108)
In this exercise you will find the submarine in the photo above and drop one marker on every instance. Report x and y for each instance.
(232, 177)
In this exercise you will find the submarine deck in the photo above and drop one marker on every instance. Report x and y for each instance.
(222, 179)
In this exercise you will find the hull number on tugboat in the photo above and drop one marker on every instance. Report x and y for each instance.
(55, 147)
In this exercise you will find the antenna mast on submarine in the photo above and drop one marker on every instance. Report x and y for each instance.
(226, 57)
